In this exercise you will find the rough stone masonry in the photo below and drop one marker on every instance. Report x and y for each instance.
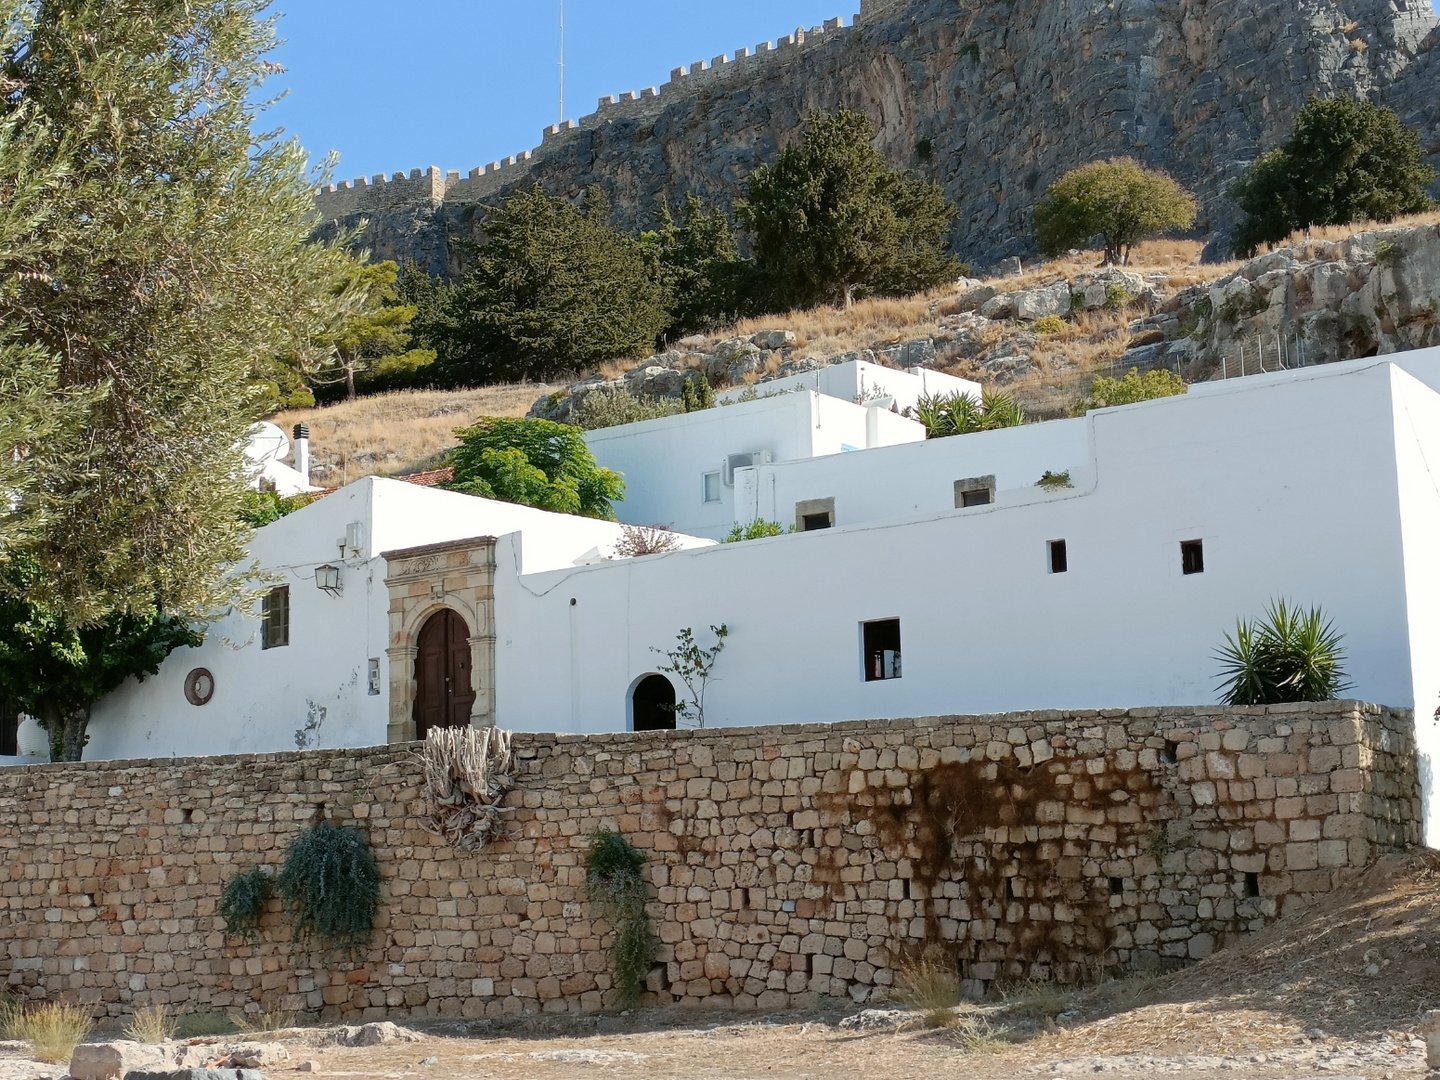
(993, 101)
(785, 862)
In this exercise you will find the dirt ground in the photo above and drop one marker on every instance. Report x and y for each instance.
(1335, 991)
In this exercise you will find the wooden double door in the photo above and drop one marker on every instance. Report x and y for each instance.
(444, 691)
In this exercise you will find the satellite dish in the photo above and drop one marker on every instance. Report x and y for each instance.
(267, 443)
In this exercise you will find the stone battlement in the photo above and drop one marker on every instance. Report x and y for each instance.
(346, 198)
(785, 863)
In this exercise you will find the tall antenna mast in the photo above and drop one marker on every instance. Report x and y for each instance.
(562, 61)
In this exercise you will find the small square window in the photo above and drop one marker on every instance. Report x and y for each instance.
(711, 487)
(275, 618)
(1059, 561)
(811, 522)
(881, 647)
(975, 491)
(1192, 557)
(812, 514)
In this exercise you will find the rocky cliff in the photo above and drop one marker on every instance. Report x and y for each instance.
(992, 100)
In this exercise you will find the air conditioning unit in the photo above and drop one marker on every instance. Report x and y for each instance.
(744, 461)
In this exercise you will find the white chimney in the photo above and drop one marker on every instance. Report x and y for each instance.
(302, 451)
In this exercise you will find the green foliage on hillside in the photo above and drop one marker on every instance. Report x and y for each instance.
(553, 288)
(696, 262)
(1346, 161)
(830, 218)
(536, 463)
(1133, 387)
(153, 266)
(1120, 201)
(369, 344)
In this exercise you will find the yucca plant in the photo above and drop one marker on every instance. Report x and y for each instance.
(1289, 655)
(961, 414)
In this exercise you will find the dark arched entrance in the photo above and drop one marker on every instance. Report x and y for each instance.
(444, 693)
(648, 701)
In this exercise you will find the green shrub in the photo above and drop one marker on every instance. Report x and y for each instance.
(1346, 161)
(331, 888)
(1049, 326)
(1052, 481)
(756, 530)
(613, 407)
(535, 463)
(243, 903)
(1133, 387)
(1119, 200)
(260, 508)
(615, 883)
(1289, 655)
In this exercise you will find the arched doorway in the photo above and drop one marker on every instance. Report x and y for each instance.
(444, 692)
(647, 704)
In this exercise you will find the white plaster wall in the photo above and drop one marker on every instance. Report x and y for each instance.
(899, 481)
(1417, 457)
(664, 461)
(1291, 486)
(314, 692)
(856, 379)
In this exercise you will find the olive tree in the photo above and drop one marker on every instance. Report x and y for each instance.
(1120, 201)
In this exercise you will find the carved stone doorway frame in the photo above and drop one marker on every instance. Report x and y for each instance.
(460, 575)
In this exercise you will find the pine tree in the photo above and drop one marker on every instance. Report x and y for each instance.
(830, 217)
(553, 288)
(169, 255)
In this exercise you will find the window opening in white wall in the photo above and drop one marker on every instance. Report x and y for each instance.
(711, 487)
(1192, 557)
(974, 491)
(1059, 561)
(812, 514)
(275, 618)
(880, 642)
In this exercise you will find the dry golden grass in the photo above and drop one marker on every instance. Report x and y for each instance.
(53, 1029)
(1341, 232)
(151, 1024)
(394, 433)
(270, 1019)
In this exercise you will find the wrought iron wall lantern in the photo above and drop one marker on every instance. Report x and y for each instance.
(327, 578)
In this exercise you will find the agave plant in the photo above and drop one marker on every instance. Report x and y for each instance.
(961, 414)
(1289, 655)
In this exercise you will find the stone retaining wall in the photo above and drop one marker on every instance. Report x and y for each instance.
(786, 862)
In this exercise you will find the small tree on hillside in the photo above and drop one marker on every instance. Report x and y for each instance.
(371, 339)
(536, 463)
(1347, 161)
(56, 671)
(831, 217)
(1119, 200)
(554, 287)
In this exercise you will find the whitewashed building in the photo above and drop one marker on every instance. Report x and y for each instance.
(946, 582)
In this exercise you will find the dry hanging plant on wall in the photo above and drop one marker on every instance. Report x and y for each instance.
(467, 773)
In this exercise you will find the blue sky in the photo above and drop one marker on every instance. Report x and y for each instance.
(458, 83)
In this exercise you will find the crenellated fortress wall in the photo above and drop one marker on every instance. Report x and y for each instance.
(990, 101)
(433, 186)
